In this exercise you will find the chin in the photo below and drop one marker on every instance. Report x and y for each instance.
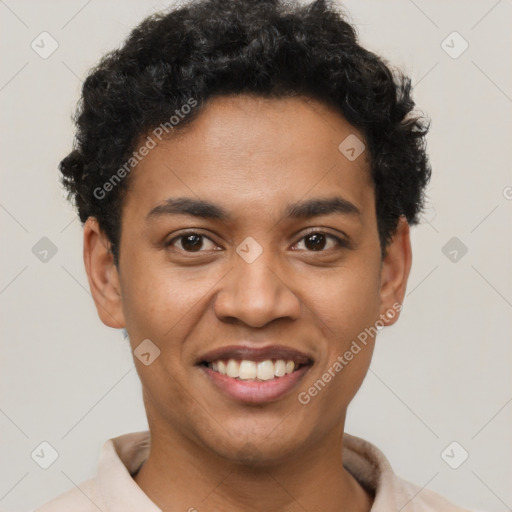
(257, 445)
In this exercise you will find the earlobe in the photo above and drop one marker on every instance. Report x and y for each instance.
(103, 275)
(395, 271)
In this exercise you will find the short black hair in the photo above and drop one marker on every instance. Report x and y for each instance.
(268, 48)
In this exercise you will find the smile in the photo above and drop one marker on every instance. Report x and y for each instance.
(252, 370)
(255, 375)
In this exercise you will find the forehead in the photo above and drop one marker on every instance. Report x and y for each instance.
(250, 152)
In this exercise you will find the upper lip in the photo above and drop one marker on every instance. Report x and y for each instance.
(255, 354)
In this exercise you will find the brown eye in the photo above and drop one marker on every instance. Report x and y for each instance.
(192, 242)
(317, 241)
(189, 242)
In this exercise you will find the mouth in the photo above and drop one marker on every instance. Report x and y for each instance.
(255, 374)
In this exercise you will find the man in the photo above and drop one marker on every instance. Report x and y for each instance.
(247, 174)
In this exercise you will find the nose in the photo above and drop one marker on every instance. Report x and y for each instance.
(256, 293)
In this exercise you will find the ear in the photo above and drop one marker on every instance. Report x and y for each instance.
(103, 275)
(395, 273)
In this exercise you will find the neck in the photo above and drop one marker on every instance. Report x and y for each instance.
(180, 475)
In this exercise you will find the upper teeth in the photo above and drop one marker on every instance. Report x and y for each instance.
(244, 370)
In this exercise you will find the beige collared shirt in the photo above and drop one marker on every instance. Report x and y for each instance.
(113, 489)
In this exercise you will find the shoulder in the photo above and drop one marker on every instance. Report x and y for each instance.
(413, 498)
(112, 487)
(83, 498)
(373, 471)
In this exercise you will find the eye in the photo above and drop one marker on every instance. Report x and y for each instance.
(190, 242)
(316, 241)
(194, 242)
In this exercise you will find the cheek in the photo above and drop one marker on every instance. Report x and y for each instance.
(349, 345)
(347, 307)
(346, 302)
(145, 303)
(157, 299)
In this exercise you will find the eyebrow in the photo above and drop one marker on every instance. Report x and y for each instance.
(207, 210)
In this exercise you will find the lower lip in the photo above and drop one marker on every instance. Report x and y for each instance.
(253, 391)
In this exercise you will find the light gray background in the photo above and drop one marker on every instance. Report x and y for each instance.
(441, 374)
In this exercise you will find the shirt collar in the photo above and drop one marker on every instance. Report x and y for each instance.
(122, 456)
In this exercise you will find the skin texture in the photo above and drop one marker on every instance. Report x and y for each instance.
(252, 156)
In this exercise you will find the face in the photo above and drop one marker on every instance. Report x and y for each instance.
(270, 259)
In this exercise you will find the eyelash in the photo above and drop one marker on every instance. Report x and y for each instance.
(340, 242)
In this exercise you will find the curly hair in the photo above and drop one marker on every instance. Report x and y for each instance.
(269, 48)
